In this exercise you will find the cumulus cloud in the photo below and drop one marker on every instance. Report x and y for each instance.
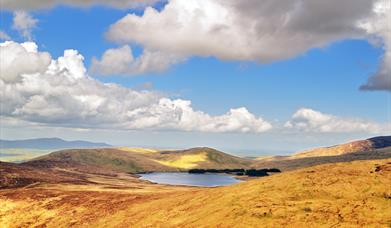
(39, 4)
(23, 22)
(121, 61)
(4, 36)
(261, 31)
(381, 80)
(380, 26)
(58, 92)
(242, 30)
(309, 120)
(18, 59)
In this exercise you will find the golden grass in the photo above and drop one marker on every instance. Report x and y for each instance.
(185, 161)
(265, 158)
(342, 195)
(137, 150)
(356, 146)
(354, 194)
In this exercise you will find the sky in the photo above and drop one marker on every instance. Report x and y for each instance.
(247, 77)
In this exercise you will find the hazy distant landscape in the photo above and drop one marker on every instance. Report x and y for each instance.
(23, 150)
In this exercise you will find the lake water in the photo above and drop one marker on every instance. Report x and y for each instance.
(189, 179)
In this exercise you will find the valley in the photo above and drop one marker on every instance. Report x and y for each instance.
(100, 187)
(295, 198)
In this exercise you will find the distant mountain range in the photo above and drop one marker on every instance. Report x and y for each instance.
(49, 143)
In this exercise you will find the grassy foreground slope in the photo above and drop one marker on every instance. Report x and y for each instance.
(353, 194)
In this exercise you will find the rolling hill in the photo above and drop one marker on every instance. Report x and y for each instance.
(135, 160)
(289, 163)
(138, 160)
(351, 147)
(49, 143)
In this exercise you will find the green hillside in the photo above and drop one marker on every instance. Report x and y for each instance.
(137, 160)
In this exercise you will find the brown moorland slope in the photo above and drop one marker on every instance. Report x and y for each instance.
(366, 145)
(353, 194)
(17, 175)
(285, 164)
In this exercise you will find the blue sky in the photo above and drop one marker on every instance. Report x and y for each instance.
(325, 79)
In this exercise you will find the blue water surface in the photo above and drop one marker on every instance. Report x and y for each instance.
(189, 179)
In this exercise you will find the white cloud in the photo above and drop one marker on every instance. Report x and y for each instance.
(40, 4)
(57, 92)
(166, 113)
(23, 22)
(380, 26)
(4, 36)
(122, 62)
(242, 30)
(381, 80)
(261, 31)
(309, 120)
(18, 59)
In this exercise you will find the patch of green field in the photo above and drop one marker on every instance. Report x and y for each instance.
(20, 154)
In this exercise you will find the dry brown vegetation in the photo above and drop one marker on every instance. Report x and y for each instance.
(286, 164)
(353, 194)
(347, 148)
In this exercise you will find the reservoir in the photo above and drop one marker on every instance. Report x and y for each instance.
(189, 179)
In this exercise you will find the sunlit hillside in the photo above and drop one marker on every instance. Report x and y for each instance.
(140, 160)
(354, 194)
(346, 148)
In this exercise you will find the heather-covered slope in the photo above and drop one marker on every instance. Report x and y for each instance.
(354, 194)
(17, 175)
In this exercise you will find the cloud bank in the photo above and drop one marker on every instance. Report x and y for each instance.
(39, 90)
(58, 92)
